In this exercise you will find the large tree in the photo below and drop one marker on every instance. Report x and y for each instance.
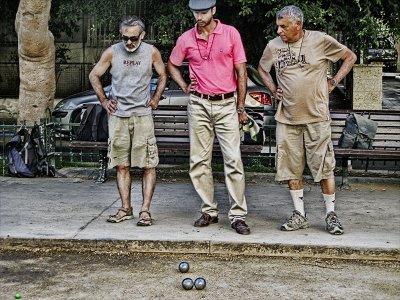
(36, 53)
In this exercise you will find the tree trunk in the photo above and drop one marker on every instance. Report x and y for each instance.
(36, 53)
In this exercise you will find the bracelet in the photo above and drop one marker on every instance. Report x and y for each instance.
(240, 110)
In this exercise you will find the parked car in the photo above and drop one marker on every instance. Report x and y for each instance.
(258, 102)
(383, 52)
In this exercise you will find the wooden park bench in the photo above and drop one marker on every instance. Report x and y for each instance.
(386, 145)
(172, 134)
(171, 130)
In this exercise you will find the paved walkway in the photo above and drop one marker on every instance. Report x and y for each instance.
(70, 214)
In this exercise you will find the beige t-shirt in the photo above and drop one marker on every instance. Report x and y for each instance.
(301, 71)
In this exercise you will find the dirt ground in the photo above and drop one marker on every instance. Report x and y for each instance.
(152, 276)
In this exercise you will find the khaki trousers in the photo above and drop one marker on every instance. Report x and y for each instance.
(208, 119)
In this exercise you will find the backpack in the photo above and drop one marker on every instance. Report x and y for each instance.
(21, 155)
(94, 124)
(27, 156)
(358, 132)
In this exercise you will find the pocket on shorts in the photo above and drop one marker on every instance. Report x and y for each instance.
(152, 150)
(329, 161)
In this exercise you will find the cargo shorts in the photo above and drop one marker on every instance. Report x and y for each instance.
(301, 144)
(132, 142)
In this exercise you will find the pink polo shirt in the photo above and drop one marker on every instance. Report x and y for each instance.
(211, 62)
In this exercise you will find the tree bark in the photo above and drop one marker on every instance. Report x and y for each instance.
(36, 53)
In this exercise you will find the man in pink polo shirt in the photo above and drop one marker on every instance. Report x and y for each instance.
(217, 65)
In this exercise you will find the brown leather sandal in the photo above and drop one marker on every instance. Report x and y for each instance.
(145, 218)
(122, 215)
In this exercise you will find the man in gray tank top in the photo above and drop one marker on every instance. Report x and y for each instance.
(132, 142)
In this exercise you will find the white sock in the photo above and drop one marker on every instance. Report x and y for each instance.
(329, 202)
(297, 197)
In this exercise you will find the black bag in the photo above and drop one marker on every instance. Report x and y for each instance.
(43, 166)
(94, 124)
(27, 156)
(358, 132)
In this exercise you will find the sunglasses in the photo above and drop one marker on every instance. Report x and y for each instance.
(130, 38)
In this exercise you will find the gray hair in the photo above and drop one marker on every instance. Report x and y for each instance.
(132, 21)
(292, 12)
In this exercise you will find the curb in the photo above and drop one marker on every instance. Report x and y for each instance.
(168, 174)
(126, 247)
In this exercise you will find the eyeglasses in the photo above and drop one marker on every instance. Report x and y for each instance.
(130, 38)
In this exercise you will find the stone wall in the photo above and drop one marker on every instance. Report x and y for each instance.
(367, 87)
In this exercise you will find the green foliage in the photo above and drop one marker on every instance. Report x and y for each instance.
(62, 56)
(359, 22)
(169, 18)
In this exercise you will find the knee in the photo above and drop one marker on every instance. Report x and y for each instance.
(149, 171)
(233, 161)
(123, 169)
(295, 184)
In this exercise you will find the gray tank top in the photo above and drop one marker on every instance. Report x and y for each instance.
(131, 74)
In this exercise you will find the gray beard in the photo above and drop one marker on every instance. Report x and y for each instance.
(134, 49)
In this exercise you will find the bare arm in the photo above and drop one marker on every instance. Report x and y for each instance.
(348, 60)
(95, 75)
(162, 78)
(241, 73)
(177, 77)
(267, 80)
(99, 69)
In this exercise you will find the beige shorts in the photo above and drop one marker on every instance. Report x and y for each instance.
(132, 142)
(298, 144)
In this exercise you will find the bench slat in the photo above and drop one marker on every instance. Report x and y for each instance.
(381, 137)
(86, 145)
(361, 153)
(171, 127)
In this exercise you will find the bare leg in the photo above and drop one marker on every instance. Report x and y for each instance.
(295, 184)
(148, 186)
(124, 185)
(328, 186)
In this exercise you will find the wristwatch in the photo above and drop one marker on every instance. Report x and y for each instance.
(240, 110)
(333, 82)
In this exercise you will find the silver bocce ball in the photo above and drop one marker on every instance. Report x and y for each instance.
(187, 283)
(200, 283)
(183, 267)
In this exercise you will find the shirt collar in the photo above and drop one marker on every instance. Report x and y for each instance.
(217, 29)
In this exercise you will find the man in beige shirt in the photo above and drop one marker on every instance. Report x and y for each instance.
(301, 58)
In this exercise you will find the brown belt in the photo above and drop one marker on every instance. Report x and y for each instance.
(213, 97)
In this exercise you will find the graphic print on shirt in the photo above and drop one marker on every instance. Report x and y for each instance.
(132, 62)
(286, 58)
